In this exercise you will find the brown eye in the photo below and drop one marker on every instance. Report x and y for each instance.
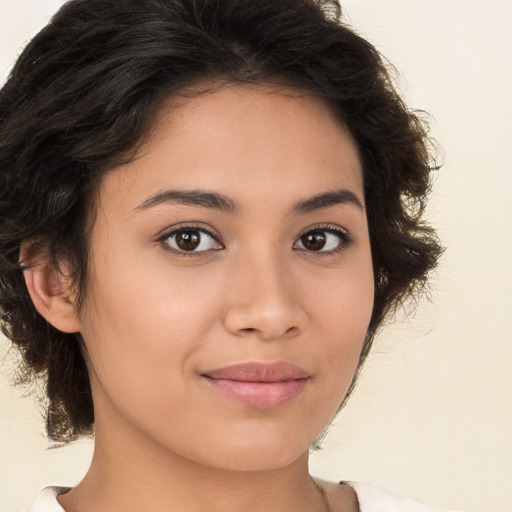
(188, 240)
(192, 240)
(328, 240)
(314, 240)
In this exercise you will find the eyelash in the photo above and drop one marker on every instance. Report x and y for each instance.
(345, 237)
(188, 227)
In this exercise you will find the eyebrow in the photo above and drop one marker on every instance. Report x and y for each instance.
(326, 199)
(226, 204)
(202, 198)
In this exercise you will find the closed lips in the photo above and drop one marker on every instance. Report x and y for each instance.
(259, 372)
(259, 385)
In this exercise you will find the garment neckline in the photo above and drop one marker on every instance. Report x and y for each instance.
(369, 497)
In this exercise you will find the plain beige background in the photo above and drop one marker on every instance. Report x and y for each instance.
(432, 415)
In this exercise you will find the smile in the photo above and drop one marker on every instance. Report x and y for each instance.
(259, 385)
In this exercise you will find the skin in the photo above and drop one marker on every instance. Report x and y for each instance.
(155, 321)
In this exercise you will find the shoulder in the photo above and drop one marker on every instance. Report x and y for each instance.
(371, 498)
(47, 499)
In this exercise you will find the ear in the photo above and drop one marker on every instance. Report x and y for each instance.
(51, 293)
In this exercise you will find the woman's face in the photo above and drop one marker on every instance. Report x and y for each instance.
(231, 280)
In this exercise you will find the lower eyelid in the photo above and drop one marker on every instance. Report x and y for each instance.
(164, 238)
(344, 237)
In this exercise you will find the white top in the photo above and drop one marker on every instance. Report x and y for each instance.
(370, 497)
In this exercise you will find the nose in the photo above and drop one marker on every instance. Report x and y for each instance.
(264, 300)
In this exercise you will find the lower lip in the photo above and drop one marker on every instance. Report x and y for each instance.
(259, 395)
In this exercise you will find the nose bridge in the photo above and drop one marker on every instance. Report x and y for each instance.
(264, 297)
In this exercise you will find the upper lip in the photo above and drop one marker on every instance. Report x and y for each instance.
(255, 371)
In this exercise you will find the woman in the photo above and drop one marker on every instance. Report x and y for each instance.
(208, 209)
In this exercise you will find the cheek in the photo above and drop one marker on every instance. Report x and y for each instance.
(343, 306)
(143, 326)
(147, 294)
(343, 300)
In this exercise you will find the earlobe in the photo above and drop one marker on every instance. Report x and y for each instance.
(51, 294)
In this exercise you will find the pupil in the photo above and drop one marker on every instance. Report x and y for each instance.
(314, 241)
(188, 240)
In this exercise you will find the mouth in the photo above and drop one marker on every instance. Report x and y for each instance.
(259, 385)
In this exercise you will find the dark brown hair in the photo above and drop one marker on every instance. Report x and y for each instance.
(85, 92)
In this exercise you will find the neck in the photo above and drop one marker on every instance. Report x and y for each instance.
(132, 472)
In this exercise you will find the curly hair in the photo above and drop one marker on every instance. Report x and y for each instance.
(83, 95)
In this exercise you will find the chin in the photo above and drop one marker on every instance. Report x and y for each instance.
(260, 452)
(251, 461)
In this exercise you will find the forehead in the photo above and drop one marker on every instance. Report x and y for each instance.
(241, 140)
